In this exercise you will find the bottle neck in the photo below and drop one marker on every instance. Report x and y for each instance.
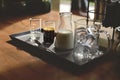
(65, 21)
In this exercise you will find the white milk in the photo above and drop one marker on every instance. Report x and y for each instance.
(64, 40)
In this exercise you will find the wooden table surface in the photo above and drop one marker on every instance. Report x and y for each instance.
(16, 64)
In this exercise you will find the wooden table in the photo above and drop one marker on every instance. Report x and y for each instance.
(16, 64)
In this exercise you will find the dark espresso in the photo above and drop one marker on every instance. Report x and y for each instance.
(49, 34)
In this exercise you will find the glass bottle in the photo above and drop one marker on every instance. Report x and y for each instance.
(64, 38)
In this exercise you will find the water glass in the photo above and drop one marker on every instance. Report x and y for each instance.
(85, 44)
(79, 51)
(35, 28)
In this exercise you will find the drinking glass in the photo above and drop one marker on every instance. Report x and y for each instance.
(103, 37)
(48, 31)
(85, 43)
(35, 29)
(80, 52)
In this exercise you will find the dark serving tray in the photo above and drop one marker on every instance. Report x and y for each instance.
(62, 59)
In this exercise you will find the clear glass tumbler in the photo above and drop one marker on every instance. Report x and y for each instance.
(80, 52)
(35, 29)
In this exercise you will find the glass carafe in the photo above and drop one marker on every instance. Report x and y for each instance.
(64, 38)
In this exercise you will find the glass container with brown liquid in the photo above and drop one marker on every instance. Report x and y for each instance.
(48, 37)
(48, 31)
